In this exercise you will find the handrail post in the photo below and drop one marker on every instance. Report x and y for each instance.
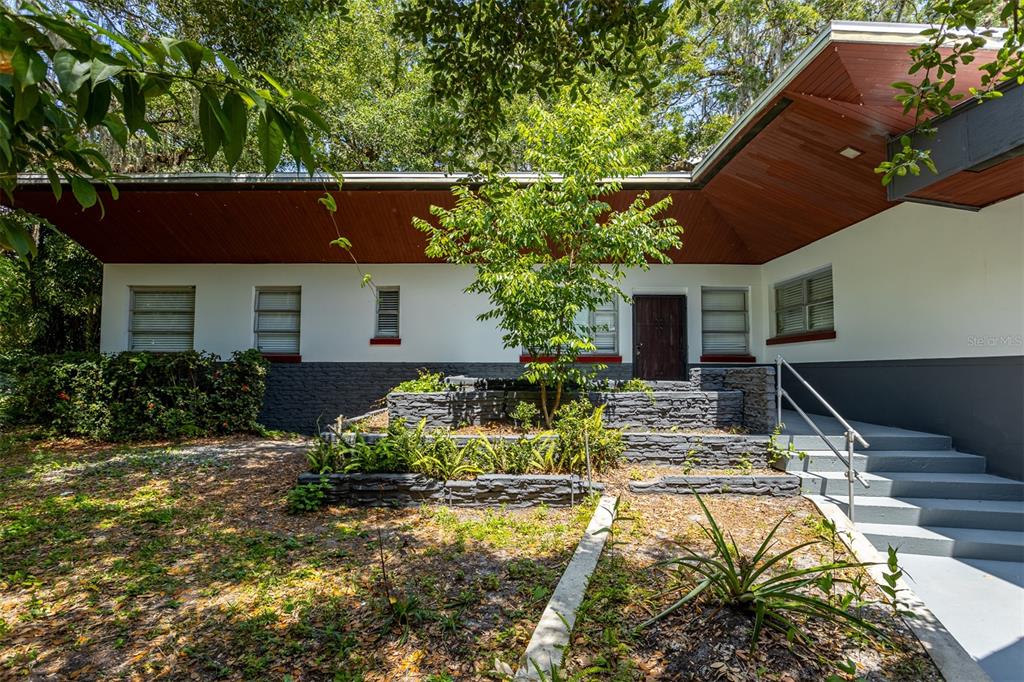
(850, 474)
(778, 390)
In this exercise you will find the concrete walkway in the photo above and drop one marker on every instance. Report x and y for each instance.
(980, 602)
(959, 530)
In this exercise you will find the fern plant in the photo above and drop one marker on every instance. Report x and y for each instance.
(780, 599)
(444, 460)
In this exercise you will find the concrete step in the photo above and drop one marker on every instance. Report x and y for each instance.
(969, 543)
(939, 461)
(924, 511)
(958, 486)
(910, 440)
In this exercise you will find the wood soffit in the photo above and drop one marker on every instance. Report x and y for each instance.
(781, 186)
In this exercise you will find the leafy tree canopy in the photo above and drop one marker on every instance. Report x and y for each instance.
(549, 251)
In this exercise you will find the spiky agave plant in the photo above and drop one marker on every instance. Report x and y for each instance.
(780, 598)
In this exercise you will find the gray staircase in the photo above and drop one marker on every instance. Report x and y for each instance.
(923, 497)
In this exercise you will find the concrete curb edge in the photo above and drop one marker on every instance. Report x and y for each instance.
(551, 636)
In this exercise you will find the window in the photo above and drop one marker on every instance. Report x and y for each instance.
(278, 310)
(804, 304)
(725, 323)
(162, 319)
(387, 313)
(603, 324)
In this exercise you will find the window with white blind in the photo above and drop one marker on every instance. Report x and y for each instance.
(725, 321)
(162, 319)
(387, 313)
(278, 311)
(603, 323)
(805, 304)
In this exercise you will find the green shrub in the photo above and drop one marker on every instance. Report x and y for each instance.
(580, 425)
(424, 383)
(132, 396)
(524, 414)
(307, 497)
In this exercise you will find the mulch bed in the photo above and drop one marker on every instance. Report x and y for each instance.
(181, 563)
(701, 641)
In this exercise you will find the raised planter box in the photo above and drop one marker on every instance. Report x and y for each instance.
(410, 490)
(654, 447)
(775, 486)
(658, 410)
(706, 452)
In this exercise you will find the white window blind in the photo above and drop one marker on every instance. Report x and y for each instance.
(725, 322)
(602, 324)
(162, 320)
(278, 311)
(387, 312)
(805, 304)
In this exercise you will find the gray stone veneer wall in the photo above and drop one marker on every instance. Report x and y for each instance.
(300, 395)
(757, 384)
(776, 486)
(706, 452)
(405, 490)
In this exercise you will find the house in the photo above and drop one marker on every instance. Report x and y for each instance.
(904, 305)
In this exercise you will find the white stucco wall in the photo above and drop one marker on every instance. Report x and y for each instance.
(437, 320)
(916, 282)
(913, 282)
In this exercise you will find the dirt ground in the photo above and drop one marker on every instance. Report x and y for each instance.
(180, 562)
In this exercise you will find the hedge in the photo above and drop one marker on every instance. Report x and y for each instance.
(137, 396)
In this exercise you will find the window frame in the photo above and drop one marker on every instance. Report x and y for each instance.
(256, 320)
(592, 324)
(746, 355)
(805, 333)
(132, 312)
(387, 338)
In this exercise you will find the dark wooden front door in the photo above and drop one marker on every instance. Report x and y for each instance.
(659, 337)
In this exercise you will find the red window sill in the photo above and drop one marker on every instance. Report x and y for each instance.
(385, 341)
(282, 357)
(583, 359)
(728, 358)
(800, 338)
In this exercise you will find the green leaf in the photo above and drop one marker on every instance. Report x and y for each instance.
(84, 192)
(271, 142)
(55, 185)
(71, 72)
(25, 101)
(133, 102)
(342, 243)
(192, 52)
(15, 237)
(29, 67)
(329, 203)
(116, 129)
(277, 86)
(236, 115)
(313, 117)
(103, 70)
(98, 103)
(209, 124)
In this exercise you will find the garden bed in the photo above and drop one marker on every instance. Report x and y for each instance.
(702, 641)
(486, 490)
(181, 563)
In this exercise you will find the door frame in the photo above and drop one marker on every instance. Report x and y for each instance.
(683, 350)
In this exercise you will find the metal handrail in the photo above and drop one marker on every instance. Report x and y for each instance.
(851, 434)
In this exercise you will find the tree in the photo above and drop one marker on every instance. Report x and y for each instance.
(959, 29)
(63, 78)
(547, 253)
(482, 55)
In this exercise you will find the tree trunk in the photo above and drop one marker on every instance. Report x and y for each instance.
(544, 404)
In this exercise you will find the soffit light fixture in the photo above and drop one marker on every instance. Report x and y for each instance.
(850, 152)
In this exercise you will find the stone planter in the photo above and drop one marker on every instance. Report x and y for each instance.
(775, 486)
(706, 452)
(487, 490)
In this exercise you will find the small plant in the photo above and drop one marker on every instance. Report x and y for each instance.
(890, 589)
(444, 460)
(745, 466)
(524, 415)
(692, 459)
(580, 426)
(308, 497)
(782, 599)
(425, 382)
(635, 385)
(778, 454)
